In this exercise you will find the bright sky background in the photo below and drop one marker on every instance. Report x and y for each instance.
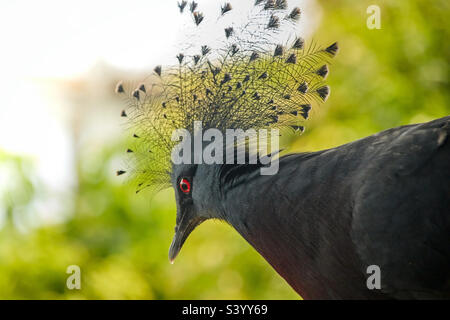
(46, 41)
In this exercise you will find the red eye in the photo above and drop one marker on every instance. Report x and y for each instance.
(185, 185)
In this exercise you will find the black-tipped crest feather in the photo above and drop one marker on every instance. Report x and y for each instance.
(253, 81)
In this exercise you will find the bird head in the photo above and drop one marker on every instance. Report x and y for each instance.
(252, 81)
(196, 189)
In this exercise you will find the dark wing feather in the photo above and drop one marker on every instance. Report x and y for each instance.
(328, 215)
(402, 210)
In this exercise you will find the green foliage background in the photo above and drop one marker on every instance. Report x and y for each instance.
(380, 79)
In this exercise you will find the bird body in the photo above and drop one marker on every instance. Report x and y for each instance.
(325, 218)
(383, 200)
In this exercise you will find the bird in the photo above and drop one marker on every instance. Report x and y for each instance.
(324, 218)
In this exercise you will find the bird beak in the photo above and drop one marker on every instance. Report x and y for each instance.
(183, 229)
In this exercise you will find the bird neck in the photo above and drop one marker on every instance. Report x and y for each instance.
(290, 218)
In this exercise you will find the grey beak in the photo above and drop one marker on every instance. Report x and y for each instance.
(183, 229)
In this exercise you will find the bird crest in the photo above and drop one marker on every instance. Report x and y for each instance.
(252, 80)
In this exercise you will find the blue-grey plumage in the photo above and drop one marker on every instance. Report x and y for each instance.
(326, 216)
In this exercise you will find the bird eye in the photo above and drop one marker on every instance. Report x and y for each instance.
(185, 185)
